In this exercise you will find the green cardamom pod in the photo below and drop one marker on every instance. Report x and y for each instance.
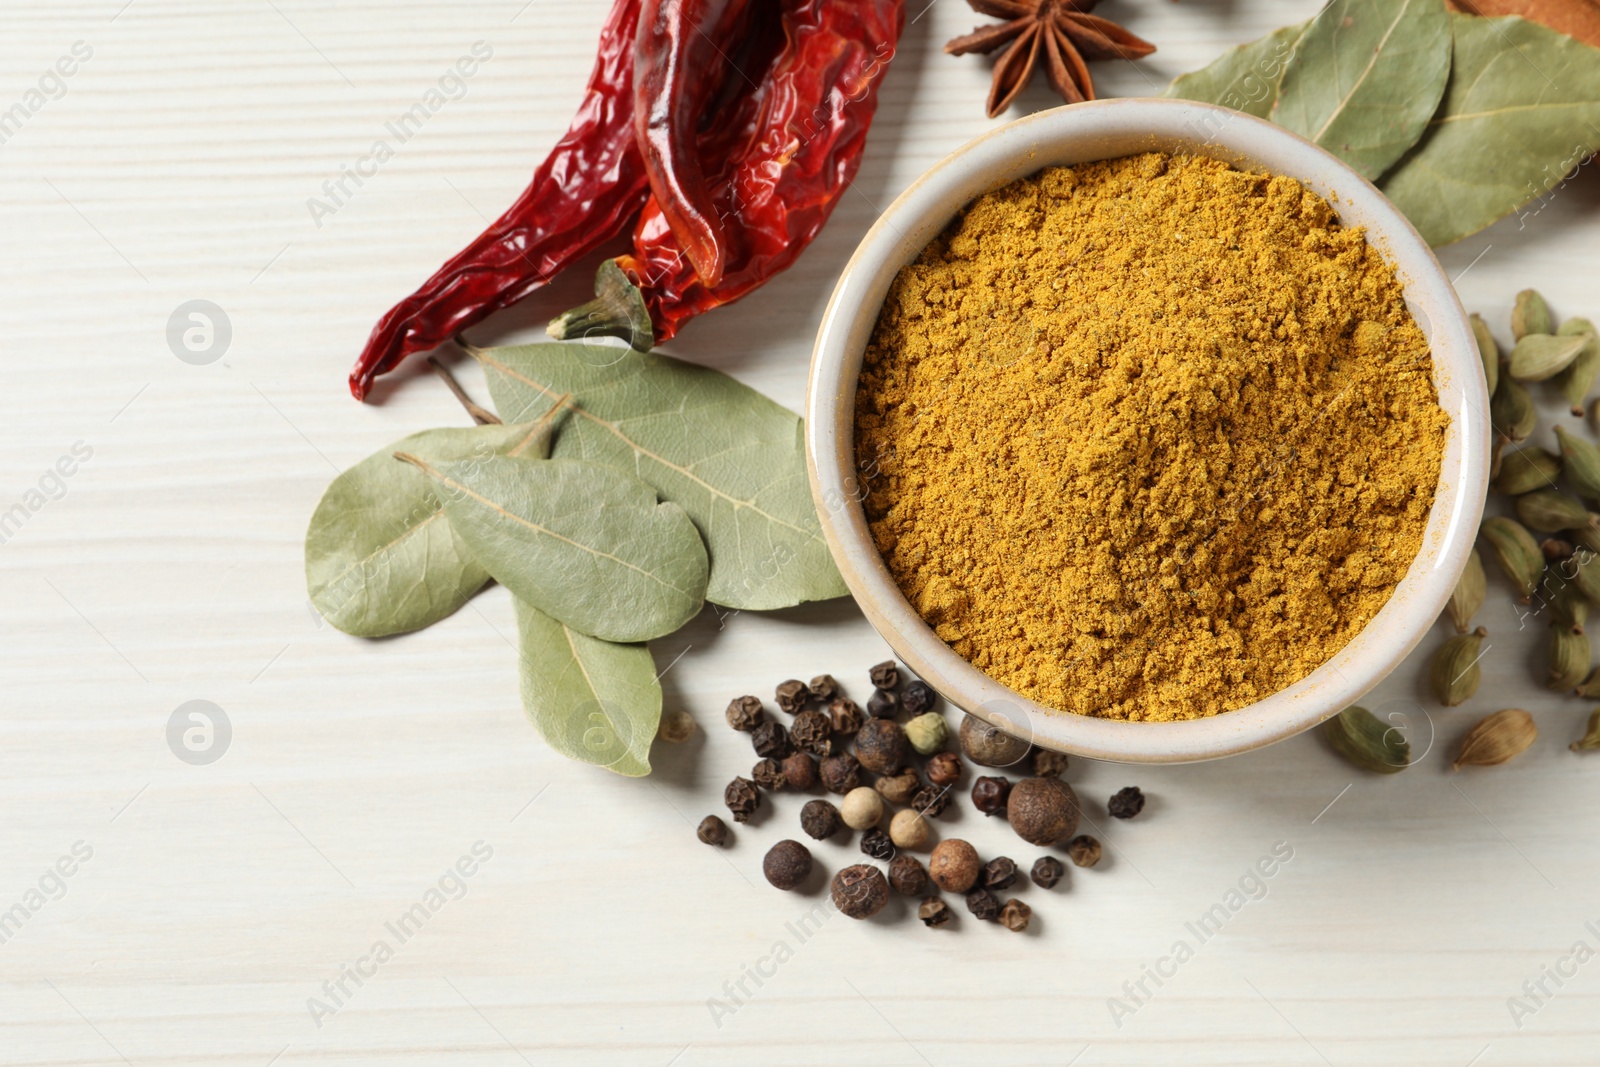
(1518, 553)
(1456, 673)
(1469, 593)
(1530, 314)
(1585, 568)
(1360, 737)
(1589, 688)
(1527, 469)
(1578, 379)
(1541, 355)
(1591, 736)
(1511, 410)
(1588, 535)
(1569, 658)
(1488, 351)
(1549, 510)
(1569, 607)
(1580, 460)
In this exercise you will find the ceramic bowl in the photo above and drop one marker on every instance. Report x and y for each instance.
(1106, 130)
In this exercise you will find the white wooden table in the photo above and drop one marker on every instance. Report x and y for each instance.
(176, 164)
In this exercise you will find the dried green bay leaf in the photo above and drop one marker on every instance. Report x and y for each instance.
(727, 455)
(1366, 78)
(1245, 78)
(585, 543)
(1521, 110)
(380, 557)
(591, 700)
(1365, 740)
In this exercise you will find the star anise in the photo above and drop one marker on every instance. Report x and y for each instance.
(1063, 30)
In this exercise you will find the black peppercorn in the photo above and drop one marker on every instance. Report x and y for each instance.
(908, 876)
(944, 768)
(813, 732)
(918, 697)
(840, 773)
(934, 912)
(931, 800)
(846, 716)
(823, 688)
(768, 774)
(786, 864)
(713, 831)
(999, 873)
(1047, 871)
(881, 746)
(792, 695)
(744, 713)
(983, 904)
(742, 798)
(770, 740)
(1084, 850)
(820, 820)
(1128, 802)
(885, 675)
(883, 704)
(1015, 916)
(876, 844)
(860, 891)
(989, 794)
(800, 770)
(1048, 763)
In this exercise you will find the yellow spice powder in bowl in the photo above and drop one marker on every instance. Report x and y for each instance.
(1154, 437)
(1147, 430)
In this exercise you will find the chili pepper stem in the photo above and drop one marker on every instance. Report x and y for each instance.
(617, 310)
(480, 415)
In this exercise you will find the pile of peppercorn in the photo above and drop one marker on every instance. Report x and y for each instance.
(893, 760)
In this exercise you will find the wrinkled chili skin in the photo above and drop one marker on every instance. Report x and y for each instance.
(676, 58)
(583, 194)
(779, 184)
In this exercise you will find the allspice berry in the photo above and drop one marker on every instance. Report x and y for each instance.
(846, 715)
(927, 733)
(712, 830)
(934, 913)
(881, 746)
(908, 876)
(944, 768)
(991, 747)
(787, 863)
(954, 865)
(745, 713)
(823, 688)
(840, 773)
(876, 843)
(820, 820)
(883, 704)
(860, 891)
(983, 904)
(918, 697)
(742, 798)
(768, 774)
(1000, 873)
(908, 829)
(1128, 802)
(1084, 850)
(989, 794)
(1015, 916)
(676, 727)
(898, 788)
(1047, 872)
(862, 808)
(770, 740)
(1048, 763)
(885, 675)
(792, 695)
(812, 732)
(800, 770)
(1043, 811)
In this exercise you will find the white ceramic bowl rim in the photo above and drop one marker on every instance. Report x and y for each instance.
(1104, 130)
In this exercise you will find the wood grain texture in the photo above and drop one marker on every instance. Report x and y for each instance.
(177, 166)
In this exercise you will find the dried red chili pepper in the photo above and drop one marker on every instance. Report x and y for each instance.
(778, 186)
(584, 193)
(676, 47)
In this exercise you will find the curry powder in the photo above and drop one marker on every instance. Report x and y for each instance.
(1150, 438)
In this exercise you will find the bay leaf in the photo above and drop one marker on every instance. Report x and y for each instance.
(1245, 78)
(1366, 78)
(1522, 110)
(591, 700)
(586, 543)
(380, 557)
(729, 456)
